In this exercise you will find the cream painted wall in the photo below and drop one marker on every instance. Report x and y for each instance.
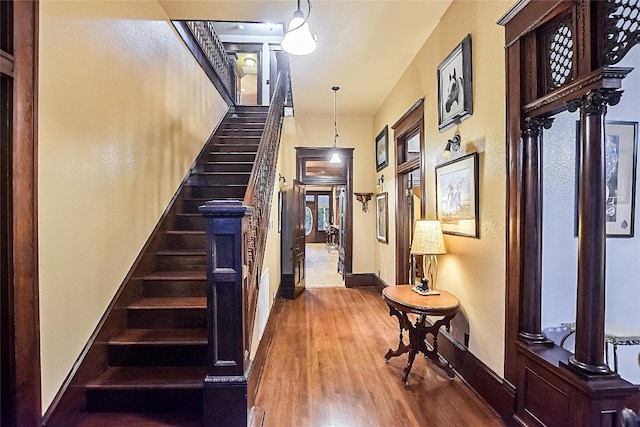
(355, 132)
(123, 111)
(474, 269)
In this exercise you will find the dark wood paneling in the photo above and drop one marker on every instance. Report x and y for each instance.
(24, 287)
(364, 279)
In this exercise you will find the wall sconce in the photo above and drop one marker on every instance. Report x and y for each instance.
(364, 199)
(452, 145)
(380, 182)
(282, 181)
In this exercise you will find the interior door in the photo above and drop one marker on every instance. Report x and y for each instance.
(299, 236)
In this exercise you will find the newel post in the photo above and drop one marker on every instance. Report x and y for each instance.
(225, 386)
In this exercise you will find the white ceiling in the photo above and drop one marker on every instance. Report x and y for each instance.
(364, 46)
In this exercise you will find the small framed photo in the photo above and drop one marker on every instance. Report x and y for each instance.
(382, 217)
(457, 198)
(455, 88)
(382, 149)
(620, 176)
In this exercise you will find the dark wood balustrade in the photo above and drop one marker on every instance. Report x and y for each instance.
(236, 239)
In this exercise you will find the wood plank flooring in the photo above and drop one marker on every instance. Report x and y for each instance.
(326, 368)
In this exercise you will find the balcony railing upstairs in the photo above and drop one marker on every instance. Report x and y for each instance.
(236, 240)
(205, 45)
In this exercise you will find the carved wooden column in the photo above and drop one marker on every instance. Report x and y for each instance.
(589, 347)
(225, 386)
(530, 317)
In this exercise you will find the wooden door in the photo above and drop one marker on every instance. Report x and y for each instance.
(318, 215)
(299, 236)
(292, 239)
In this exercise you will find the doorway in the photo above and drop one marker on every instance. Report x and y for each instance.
(410, 201)
(330, 211)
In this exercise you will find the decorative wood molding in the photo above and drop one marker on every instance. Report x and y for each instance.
(555, 102)
(24, 284)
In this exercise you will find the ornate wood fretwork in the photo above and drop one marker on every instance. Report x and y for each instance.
(260, 191)
(559, 48)
(621, 28)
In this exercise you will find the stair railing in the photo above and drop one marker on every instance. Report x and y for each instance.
(205, 45)
(236, 240)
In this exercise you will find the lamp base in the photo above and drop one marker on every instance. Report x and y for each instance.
(424, 293)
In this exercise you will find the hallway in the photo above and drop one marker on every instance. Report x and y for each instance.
(322, 267)
(326, 368)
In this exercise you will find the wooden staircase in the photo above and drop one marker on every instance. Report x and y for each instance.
(156, 365)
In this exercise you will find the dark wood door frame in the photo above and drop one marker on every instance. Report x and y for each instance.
(304, 154)
(408, 125)
(21, 65)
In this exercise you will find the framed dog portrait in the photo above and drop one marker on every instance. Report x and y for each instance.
(455, 88)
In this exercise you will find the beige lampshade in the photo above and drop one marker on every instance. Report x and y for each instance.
(428, 238)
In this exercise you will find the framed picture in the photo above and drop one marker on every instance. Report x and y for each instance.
(620, 176)
(382, 149)
(457, 196)
(455, 88)
(382, 217)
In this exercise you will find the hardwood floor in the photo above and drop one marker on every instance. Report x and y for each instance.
(326, 368)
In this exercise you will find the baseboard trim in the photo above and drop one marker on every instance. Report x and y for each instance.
(257, 365)
(357, 280)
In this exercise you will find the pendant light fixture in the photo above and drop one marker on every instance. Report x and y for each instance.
(335, 156)
(298, 39)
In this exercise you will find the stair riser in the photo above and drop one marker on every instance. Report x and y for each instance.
(218, 179)
(186, 241)
(239, 109)
(234, 148)
(239, 132)
(181, 262)
(191, 223)
(213, 157)
(224, 167)
(257, 119)
(170, 318)
(238, 139)
(158, 355)
(210, 193)
(174, 288)
(165, 400)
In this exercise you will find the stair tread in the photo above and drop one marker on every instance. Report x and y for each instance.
(173, 419)
(177, 275)
(182, 252)
(161, 336)
(195, 232)
(222, 173)
(169, 302)
(128, 378)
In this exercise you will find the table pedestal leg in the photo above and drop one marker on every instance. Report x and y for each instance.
(417, 341)
(404, 323)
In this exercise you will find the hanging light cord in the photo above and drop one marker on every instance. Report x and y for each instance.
(305, 17)
(335, 121)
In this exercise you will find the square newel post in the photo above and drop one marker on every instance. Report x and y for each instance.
(590, 309)
(225, 386)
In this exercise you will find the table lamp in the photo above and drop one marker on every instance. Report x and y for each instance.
(429, 242)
